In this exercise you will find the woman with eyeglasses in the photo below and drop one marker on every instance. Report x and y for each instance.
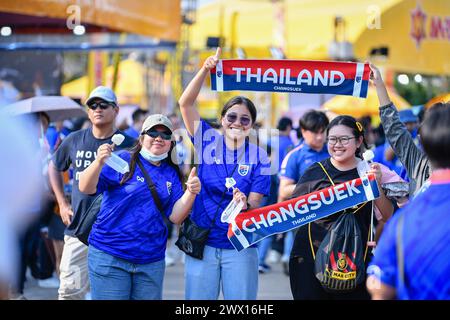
(230, 167)
(128, 240)
(345, 141)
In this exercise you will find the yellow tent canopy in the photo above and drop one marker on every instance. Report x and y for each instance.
(358, 107)
(130, 88)
(441, 98)
(159, 19)
(414, 32)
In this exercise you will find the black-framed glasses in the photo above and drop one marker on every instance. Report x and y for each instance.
(232, 117)
(102, 105)
(344, 140)
(165, 135)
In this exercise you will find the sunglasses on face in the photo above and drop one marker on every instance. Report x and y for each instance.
(342, 140)
(232, 117)
(154, 134)
(101, 105)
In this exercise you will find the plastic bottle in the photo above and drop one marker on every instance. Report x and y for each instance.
(364, 166)
(116, 162)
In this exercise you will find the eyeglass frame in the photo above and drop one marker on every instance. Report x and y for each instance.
(162, 134)
(103, 105)
(340, 140)
(236, 117)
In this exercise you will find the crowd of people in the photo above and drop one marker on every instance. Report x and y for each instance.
(125, 256)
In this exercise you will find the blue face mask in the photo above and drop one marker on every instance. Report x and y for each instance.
(152, 157)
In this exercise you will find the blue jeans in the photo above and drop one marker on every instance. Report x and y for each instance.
(236, 272)
(117, 279)
(263, 247)
(289, 238)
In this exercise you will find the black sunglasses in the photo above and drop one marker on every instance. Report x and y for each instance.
(163, 134)
(232, 117)
(101, 105)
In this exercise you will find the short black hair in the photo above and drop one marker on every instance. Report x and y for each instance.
(283, 123)
(314, 121)
(137, 114)
(435, 135)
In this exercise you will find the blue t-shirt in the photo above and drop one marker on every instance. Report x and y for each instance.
(216, 163)
(79, 150)
(426, 249)
(131, 131)
(299, 159)
(129, 224)
(285, 145)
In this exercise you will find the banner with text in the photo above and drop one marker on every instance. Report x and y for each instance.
(254, 225)
(343, 78)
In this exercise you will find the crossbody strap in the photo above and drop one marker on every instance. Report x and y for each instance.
(225, 190)
(326, 172)
(152, 187)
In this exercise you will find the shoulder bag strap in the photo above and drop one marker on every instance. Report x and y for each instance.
(225, 190)
(309, 224)
(324, 170)
(152, 188)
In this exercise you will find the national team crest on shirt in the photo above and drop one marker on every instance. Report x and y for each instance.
(169, 187)
(243, 169)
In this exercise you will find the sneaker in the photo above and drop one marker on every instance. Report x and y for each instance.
(49, 283)
(17, 296)
(273, 256)
(263, 268)
(169, 261)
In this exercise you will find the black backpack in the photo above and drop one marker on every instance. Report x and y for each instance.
(339, 261)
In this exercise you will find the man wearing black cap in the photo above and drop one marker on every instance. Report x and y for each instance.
(79, 150)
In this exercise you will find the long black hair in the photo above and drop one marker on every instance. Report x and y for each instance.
(135, 154)
(355, 126)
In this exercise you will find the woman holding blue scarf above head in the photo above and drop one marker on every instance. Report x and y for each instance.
(128, 240)
(230, 167)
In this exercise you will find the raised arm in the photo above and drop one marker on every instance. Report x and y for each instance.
(89, 177)
(396, 133)
(190, 114)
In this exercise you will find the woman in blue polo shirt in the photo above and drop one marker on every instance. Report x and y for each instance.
(228, 163)
(128, 240)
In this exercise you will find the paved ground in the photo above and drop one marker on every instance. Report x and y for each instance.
(272, 286)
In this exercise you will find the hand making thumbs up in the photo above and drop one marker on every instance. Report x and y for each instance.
(193, 182)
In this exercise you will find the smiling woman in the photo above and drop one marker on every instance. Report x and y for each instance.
(222, 266)
(345, 138)
(130, 232)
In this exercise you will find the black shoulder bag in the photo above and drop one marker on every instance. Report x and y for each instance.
(192, 238)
